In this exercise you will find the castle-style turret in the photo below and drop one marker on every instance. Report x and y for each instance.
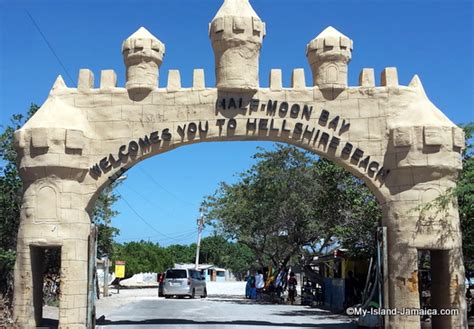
(328, 55)
(143, 54)
(236, 33)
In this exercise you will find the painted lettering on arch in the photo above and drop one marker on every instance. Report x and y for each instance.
(128, 151)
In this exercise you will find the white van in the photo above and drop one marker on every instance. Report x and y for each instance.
(184, 282)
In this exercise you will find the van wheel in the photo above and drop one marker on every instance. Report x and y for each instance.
(193, 294)
(167, 296)
(205, 293)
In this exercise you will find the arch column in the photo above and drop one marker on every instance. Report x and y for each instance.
(52, 216)
(410, 229)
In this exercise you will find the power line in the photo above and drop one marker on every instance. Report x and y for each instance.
(166, 190)
(49, 46)
(179, 240)
(144, 220)
(178, 236)
(147, 199)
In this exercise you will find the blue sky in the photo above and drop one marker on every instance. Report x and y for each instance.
(433, 39)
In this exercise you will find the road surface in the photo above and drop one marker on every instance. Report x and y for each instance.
(225, 308)
(217, 312)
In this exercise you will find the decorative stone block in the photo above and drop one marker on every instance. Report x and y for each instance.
(402, 136)
(198, 79)
(239, 24)
(257, 25)
(86, 80)
(367, 78)
(108, 79)
(174, 80)
(389, 77)
(331, 41)
(275, 79)
(39, 137)
(458, 137)
(433, 135)
(74, 139)
(298, 79)
(46, 204)
(218, 24)
(19, 139)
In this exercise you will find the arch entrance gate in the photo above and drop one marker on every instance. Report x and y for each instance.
(391, 136)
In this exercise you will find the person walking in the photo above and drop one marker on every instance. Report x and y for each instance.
(259, 283)
(250, 291)
(292, 288)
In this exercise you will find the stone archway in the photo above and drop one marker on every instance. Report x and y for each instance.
(391, 136)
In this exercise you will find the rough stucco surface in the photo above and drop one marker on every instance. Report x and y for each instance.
(391, 136)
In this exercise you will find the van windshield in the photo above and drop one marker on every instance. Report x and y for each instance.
(176, 274)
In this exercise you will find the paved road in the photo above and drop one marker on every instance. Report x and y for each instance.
(216, 312)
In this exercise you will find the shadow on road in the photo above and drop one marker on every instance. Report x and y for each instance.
(178, 322)
(314, 313)
(240, 300)
(307, 312)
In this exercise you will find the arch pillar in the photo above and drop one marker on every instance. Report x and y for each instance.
(411, 228)
(67, 228)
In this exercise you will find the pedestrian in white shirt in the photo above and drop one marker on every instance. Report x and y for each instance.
(259, 283)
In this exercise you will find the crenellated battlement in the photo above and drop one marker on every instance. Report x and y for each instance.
(108, 81)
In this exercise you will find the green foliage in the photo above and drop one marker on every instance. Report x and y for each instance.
(142, 257)
(348, 211)
(149, 257)
(217, 250)
(465, 195)
(214, 250)
(289, 202)
(182, 253)
(240, 259)
(102, 216)
(11, 190)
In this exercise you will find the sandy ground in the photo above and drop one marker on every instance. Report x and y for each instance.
(125, 296)
(118, 298)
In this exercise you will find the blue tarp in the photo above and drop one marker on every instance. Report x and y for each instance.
(334, 292)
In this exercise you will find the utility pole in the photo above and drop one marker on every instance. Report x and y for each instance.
(200, 224)
(106, 277)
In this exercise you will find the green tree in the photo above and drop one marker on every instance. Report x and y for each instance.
(241, 259)
(182, 253)
(348, 211)
(217, 250)
(143, 257)
(11, 191)
(102, 216)
(214, 250)
(465, 196)
(290, 202)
